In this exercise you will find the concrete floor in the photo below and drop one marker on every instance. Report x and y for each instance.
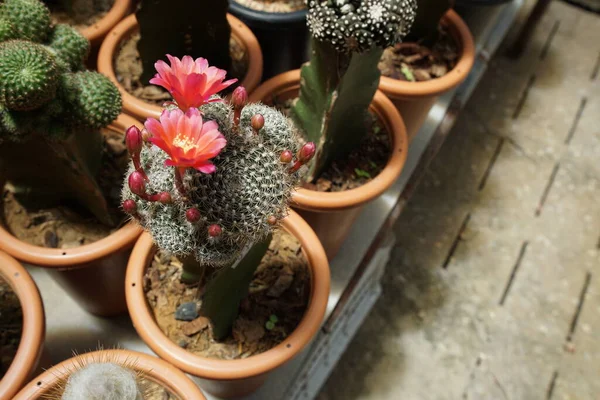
(493, 291)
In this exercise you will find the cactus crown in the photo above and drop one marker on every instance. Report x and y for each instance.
(358, 25)
(102, 381)
(43, 86)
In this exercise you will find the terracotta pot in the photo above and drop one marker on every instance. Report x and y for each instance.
(331, 215)
(415, 99)
(93, 273)
(152, 368)
(34, 326)
(97, 32)
(231, 378)
(142, 109)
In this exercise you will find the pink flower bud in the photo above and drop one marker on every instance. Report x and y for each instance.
(130, 206)
(272, 220)
(193, 215)
(165, 198)
(286, 157)
(133, 140)
(137, 184)
(239, 97)
(146, 135)
(214, 230)
(257, 122)
(306, 152)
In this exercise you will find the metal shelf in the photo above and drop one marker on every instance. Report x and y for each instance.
(355, 271)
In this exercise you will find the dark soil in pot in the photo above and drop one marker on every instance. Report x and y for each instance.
(11, 325)
(361, 165)
(275, 305)
(416, 63)
(82, 21)
(68, 225)
(128, 68)
(273, 6)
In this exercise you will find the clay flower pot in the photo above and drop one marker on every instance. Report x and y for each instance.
(93, 273)
(142, 109)
(415, 99)
(97, 32)
(231, 378)
(151, 368)
(34, 326)
(332, 214)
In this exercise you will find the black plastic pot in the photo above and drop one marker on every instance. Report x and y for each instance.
(478, 14)
(467, 3)
(283, 37)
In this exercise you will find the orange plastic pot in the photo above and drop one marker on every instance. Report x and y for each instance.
(97, 32)
(415, 99)
(34, 326)
(150, 367)
(142, 109)
(331, 215)
(231, 378)
(93, 273)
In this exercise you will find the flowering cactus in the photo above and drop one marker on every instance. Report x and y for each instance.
(213, 181)
(197, 28)
(340, 80)
(51, 110)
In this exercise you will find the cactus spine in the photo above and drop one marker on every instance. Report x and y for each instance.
(51, 109)
(194, 29)
(340, 80)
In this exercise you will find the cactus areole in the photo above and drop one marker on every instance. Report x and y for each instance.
(340, 80)
(51, 109)
(228, 168)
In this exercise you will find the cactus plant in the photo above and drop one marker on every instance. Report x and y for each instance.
(214, 181)
(194, 29)
(340, 79)
(102, 381)
(425, 28)
(51, 110)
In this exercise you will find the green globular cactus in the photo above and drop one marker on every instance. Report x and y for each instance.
(196, 28)
(51, 109)
(429, 13)
(222, 219)
(69, 46)
(341, 78)
(29, 75)
(29, 19)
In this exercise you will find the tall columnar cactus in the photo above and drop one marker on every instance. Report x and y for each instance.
(340, 80)
(429, 13)
(216, 182)
(51, 110)
(197, 28)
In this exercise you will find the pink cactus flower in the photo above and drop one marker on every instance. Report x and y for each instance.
(190, 82)
(189, 142)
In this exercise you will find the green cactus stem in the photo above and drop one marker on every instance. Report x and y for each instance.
(224, 293)
(425, 28)
(196, 28)
(338, 83)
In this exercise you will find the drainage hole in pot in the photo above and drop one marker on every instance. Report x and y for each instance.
(64, 253)
(16, 274)
(288, 346)
(39, 383)
(133, 284)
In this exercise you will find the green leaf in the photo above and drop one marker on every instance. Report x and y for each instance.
(406, 71)
(273, 318)
(270, 325)
(361, 173)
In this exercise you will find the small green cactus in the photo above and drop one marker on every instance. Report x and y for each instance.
(50, 104)
(29, 19)
(340, 80)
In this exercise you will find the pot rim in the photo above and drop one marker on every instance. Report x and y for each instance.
(142, 109)
(395, 88)
(270, 17)
(34, 326)
(77, 256)
(331, 201)
(100, 29)
(160, 371)
(215, 369)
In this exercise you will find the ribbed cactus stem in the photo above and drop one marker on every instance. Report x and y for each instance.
(196, 28)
